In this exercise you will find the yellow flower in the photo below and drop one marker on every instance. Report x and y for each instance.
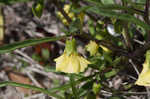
(73, 63)
(92, 47)
(70, 61)
(144, 77)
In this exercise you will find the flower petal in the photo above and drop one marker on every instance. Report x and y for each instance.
(73, 63)
(83, 63)
(92, 47)
(144, 77)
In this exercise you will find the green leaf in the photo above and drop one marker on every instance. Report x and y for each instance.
(48, 68)
(68, 85)
(30, 42)
(74, 26)
(8, 83)
(88, 85)
(45, 53)
(141, 1)
(113, 7)
(116, 61)
(95, 1)
(115, 98)
(96, 87)
(12, 1)
(108, 1)
(118, 25)
(148, 57)
(107, 57)
(121, 16)
(91, 27)
(90, 95)
(70, 46)
(37, 8)
(36, 57)
(111, 73)
(68, 95)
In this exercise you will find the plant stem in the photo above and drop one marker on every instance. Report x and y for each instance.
(146, 12)
(146, 17)
(126, 36)
(125, 33)
(73, 86)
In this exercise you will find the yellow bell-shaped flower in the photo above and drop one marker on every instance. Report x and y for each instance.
(70, 61)
(144, 77)
(92, 47)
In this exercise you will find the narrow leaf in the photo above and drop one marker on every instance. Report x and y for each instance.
(8, 83)
(12, 1)
(73, 85)
(30, 42)
(113, 14)
(68, 85)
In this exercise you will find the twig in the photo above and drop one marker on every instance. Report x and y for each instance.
(146, 17)
(138, 53)
(48, 74)
(134, 66)
(124, 92)
(106, 93)
(29, 58)
(148, 92)
(33, 79)
(146, 12)
(34, 96)
(35, 67)
(135, 93)
(140, 42)
(132, 77)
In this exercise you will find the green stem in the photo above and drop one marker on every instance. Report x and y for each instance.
(126, 36)
(73, 86)
(68, 85)
(125, 33)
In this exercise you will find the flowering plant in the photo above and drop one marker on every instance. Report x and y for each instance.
(143, 79)
(100, 45)
(70, 61)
